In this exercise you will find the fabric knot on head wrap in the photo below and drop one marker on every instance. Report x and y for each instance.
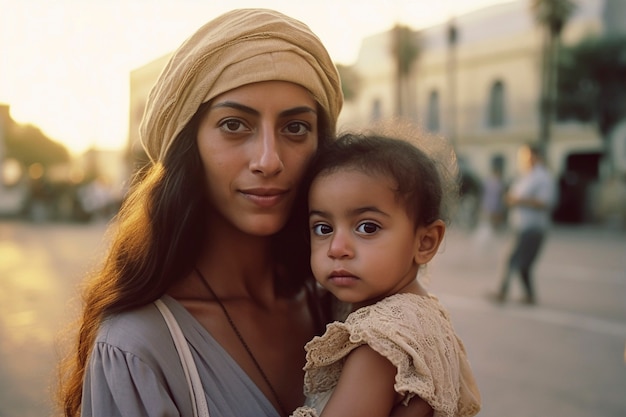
(237, 48)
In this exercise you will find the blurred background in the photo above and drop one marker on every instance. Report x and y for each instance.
(487, 75)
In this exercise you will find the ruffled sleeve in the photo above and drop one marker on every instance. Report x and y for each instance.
(416, 335)
(123, 385)
(304, 411)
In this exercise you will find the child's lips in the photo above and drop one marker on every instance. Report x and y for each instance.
(341, 273)
(342, 277)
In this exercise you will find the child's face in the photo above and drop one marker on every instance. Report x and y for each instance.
(363, 243)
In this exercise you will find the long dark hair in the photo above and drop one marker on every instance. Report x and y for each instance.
(155, 241)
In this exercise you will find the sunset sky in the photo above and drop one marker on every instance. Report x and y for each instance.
(65, 64)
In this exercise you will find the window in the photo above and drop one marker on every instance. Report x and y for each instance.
(496, 110)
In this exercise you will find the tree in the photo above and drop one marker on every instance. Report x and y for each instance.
(551, 15)
(592, 86)
(453, 40)
(28, 145)
(405, 50)
(350, 82)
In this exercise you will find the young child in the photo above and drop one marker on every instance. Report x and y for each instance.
(377, 214)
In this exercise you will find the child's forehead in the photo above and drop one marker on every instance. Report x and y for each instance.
(353, 193)
(372, 174)
(357, 179)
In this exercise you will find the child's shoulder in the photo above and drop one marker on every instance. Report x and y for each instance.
(408, 311)
(399, 305)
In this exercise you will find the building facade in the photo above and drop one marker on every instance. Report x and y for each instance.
(477, 82)
(483, 93)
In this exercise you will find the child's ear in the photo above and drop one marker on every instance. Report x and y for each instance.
(428, 239)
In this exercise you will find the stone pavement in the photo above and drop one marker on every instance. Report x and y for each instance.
(563, 357)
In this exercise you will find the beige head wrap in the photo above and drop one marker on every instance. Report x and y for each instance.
(237, 48)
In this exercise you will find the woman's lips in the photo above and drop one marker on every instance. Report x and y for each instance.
(265, 197)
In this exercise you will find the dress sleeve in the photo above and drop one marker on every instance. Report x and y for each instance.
(417, 337)
(119, 383)
(304, 411)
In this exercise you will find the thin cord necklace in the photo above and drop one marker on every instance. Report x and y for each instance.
(243, 342)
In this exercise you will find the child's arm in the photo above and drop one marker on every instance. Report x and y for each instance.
(365, 387)
(417, 407)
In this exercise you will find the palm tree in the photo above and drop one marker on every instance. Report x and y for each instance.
(405, 49)
(552, 15)
(452, 38)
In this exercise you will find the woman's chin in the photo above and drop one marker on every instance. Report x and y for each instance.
(265, 226)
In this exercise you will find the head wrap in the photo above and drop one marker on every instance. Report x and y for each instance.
(237, 48)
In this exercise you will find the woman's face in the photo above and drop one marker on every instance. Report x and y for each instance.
(255, 143)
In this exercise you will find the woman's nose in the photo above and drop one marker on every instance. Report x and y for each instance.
(266, 159)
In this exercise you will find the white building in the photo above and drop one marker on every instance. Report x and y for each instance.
(496, 70)
(484, 94)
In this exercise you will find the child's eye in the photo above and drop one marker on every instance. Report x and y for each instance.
(321, 229)
(367, 228)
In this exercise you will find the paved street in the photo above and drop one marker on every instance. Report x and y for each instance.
(563, 357)
(40, 268)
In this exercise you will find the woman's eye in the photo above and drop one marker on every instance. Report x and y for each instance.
(321, 229)
(367, 228)
(297, 128)
(232, 126)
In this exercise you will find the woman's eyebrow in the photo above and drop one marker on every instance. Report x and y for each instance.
(236, 106)
(298, 110)
(246, 109)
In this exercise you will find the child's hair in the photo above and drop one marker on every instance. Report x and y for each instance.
(423, 167)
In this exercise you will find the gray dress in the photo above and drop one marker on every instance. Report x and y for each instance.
(134, 370)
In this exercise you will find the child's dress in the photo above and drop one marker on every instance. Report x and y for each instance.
(415, 333)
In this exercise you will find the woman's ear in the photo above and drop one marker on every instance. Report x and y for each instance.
(428, 239)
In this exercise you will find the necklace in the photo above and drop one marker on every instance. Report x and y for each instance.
(243, 342)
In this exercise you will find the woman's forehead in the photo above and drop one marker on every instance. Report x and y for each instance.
(267, 92)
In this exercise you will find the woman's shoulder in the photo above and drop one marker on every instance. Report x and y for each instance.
(134, 367)
(140, 331)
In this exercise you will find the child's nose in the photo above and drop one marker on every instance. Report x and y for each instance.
(341, 245)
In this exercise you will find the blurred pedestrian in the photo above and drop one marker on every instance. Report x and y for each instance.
(530, 199)
(470, 191)
(493, 210)
(378, 210)
(493, 204)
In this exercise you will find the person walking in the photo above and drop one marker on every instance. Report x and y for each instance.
(530, 199)
(493, 205)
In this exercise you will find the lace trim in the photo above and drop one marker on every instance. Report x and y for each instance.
(415, 333)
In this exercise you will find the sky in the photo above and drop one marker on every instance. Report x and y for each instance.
(65, 64)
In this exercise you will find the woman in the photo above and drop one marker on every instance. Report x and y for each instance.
(230, 127)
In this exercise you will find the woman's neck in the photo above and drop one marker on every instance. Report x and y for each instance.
(238, 264)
